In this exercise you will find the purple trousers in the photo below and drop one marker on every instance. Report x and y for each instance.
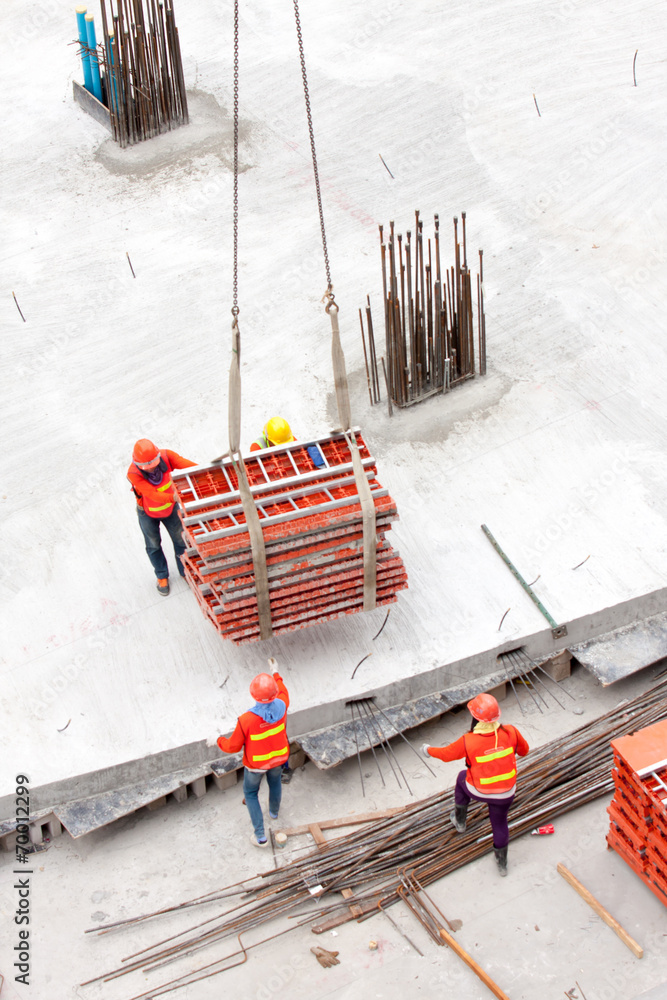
(498, 810)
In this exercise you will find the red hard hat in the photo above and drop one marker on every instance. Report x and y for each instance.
(484, 708)
(145, 455)
(263, 688)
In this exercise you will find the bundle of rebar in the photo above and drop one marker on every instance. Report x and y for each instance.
(428, 317)
(370, 863)
(143, 71)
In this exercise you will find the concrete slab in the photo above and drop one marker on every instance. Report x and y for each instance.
(558, 449)
(625, 650)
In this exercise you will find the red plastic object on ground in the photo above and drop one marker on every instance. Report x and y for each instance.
(313, 535)
(549, 828)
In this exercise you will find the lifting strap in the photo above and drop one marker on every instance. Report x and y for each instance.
(340, 381)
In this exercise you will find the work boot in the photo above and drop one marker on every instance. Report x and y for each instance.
(163, 586)
(458, 818)
(501, 859)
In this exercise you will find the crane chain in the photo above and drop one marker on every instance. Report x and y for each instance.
(235, 290)
(311, 131)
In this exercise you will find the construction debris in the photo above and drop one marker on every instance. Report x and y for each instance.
(429, 329)
(325, 958)
(558, 777)
(312, 523)
(636, 949)
(638, 811)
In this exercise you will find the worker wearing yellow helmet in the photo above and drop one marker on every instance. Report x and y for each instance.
(276, 431)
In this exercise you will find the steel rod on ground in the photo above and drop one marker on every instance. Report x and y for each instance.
(555, 778)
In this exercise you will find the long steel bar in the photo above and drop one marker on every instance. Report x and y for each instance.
(367, 706)
(522, 675)
(515, 573)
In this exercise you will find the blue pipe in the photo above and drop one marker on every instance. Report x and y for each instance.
(112, 90)
(83, 42)
(94, 65)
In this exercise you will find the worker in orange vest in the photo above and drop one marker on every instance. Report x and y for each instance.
(276, 431)
(262, 734)
(150, 477)
(490, 752)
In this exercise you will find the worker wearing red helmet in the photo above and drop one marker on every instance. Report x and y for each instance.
(262, 734)
(150, 477)
(490, 752)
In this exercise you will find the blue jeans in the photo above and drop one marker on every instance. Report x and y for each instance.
(251, 782)
(150, 527)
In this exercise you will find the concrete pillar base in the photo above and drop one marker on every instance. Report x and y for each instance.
(499, 692)
(198, 787)
(559, 666)
(226, 780)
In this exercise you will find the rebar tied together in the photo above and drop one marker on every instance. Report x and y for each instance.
(371, 863)
(428, 317)
(143, 71)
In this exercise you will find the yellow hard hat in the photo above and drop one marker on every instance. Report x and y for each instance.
(278, 431)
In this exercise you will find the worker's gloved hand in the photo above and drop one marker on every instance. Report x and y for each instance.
(325, 958)
(211, 741)
(273, 664)
(425, 749)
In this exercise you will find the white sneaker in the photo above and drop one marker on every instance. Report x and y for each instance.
(258, 843)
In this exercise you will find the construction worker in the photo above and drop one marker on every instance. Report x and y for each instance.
(489, 750)
(150, 478)
(262, 734)
(276, 431)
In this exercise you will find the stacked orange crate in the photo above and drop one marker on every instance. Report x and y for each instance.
(638, 811)
(306, 498)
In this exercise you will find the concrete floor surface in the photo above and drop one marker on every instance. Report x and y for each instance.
(530, 932)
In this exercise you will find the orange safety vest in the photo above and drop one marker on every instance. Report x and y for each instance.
(491, 768)
(266, 744)
(157, 499)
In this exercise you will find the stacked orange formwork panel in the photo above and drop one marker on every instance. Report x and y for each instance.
(638, 811)
(313, 535)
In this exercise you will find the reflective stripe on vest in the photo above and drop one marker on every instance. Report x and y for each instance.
(268, 756)
(269, 732)
(161, 489)
(502, 752)
(497, 778)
